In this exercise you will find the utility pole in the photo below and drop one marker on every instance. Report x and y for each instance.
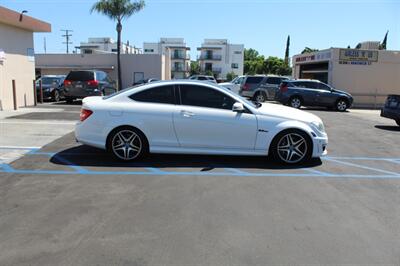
(67, 35)
(44, 45)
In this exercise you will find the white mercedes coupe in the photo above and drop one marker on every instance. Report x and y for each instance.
(192, 117)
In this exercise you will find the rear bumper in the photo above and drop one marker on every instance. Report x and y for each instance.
(248, 94)
(390, 113)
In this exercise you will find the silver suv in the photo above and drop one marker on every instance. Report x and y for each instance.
(261, 87)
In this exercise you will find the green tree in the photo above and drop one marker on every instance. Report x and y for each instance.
(277, 66)
(194, 68)
(118, 10)
(230, 76)
(309, 50)
(287, 51)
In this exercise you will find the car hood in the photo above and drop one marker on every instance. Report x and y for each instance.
(342, 92)
(285, 112)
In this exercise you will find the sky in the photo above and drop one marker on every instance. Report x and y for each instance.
(260, 24)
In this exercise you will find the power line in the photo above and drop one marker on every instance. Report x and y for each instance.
(67, 35)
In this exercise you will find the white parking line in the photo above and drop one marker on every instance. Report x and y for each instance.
(19, 148)
(37, 122)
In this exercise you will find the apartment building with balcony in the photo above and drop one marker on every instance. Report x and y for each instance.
(220, 57)
(176, 50)
(105, 45)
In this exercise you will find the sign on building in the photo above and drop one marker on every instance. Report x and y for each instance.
(358, 55)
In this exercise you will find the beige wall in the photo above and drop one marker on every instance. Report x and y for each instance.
(16, 66)
(369, 84)
(153, 66)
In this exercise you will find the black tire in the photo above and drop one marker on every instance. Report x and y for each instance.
(139, 141)
(69, 100)
(398, 122)
(295, 102)
(279, 141)
(341, 105)
(260, 97)
(56, 96)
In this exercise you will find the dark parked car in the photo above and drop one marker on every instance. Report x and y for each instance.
(296, 93)
(203, 78)
(52, 87)
(392, 108)
(260, 87)
(83, 83)
(144, 81)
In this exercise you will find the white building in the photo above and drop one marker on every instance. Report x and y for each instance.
(105, 46)
(176, 49)
(220, 57)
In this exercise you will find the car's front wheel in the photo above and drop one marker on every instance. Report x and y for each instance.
(127, 144)
(56, 96)
(291, 147)
(341, 105)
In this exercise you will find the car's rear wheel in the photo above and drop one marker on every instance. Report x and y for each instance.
(291, 147)
(341, 105)
(295, 102)
(260, 97)
(127, 144)
(398, 122)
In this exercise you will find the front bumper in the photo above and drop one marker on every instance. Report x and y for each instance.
(390, 113)
(320, 145)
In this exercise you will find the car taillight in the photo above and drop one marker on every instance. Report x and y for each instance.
(246, 87)
(67, 82)
(93, 83)
(283, 87)
(85, 113)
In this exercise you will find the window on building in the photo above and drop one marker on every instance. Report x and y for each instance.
(238, 52)
(115, 50)
(149, 50)
(163, 94)
(235, 65)
(87, 51)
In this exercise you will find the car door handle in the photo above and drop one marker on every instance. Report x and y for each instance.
(187, 113)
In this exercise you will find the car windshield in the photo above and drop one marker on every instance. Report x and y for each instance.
(50, 80)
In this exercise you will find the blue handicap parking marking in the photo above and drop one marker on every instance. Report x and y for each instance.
(352, 163)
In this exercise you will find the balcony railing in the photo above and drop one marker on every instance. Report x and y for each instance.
(180, 56)
(216, 57)
(179, 69)
(216, 70)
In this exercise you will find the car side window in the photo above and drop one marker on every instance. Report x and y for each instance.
(202, 96)
(162, 94)
(274, 81)
(323, 86)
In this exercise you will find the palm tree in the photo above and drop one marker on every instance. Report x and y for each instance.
(118, 10)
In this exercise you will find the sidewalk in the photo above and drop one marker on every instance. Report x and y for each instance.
(34, 127)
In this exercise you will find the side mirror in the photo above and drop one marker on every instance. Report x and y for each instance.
(238, 107)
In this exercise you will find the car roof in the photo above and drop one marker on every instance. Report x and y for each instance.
(303, 80)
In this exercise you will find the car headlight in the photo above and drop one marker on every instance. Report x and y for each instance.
(319, 126)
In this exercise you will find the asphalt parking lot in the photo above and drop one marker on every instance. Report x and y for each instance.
(68, 204)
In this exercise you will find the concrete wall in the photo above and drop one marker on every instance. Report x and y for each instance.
(16, 66)
(152, 66)
(369, 84)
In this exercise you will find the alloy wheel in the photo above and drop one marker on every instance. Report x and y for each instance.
(56, 96)
(292, 148)
(126, 145)
(341, 105)
(295, 103)
(260, 98)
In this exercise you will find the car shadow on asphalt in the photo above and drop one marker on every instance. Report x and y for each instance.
(388, 128)
(88, 156)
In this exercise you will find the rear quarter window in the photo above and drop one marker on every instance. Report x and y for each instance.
(163, 94)
(80, 76)
(254, 80)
